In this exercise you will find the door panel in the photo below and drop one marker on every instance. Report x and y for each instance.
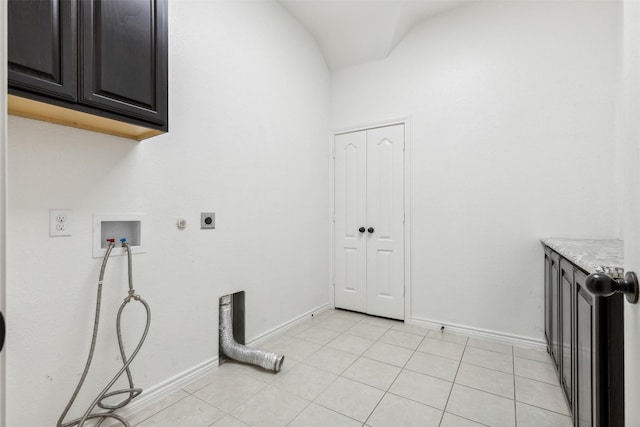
(351, 269)
(3, 210)
(350, 209)
(384, 265)
(555, 310)
(385, 211)
(116, 29)
(566, 357)
(585, 348)
(42, 46)
(630, 205)
(547, 298)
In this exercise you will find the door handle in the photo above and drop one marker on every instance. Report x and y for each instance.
(2, 331)
(370, 230)
(361, 229)
(604, 286)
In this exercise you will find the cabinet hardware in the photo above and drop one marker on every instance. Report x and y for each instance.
(2, 331)
(602, 285)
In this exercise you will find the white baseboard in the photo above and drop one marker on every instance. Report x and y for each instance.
(155, 393)
(289, 324)
(480, 333)
(159, 391)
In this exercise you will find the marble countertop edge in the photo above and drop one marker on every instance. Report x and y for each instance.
(592, 255)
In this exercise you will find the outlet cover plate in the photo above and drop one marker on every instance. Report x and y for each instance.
(60, 221)
(207, 220)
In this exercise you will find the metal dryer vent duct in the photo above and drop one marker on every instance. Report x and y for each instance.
(232, 349)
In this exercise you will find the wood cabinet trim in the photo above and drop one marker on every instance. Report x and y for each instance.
(42, 111)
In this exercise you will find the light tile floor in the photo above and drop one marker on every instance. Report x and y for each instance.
(348, 369)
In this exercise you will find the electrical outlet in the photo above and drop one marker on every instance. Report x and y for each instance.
(60, 222)
(207, 220)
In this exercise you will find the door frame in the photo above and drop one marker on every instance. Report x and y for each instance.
(3, 197)
(406, 121)
(629, 135)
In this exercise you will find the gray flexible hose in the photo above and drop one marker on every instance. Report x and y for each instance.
(104, 394)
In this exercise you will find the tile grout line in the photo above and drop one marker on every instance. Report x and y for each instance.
(341, 376)
(453, 383)
(483, 391)
(309, 402)
(544, 409)
(167, 407)
(538, 381)
(515, 402)
(301, 411)
(392, 382)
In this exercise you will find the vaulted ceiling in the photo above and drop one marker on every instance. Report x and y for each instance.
(351, 32)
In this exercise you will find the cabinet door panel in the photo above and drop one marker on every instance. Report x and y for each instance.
(547, 298)
(585, 355)
(42, 47)
(124, 63)
(566, 283)
(555, 309)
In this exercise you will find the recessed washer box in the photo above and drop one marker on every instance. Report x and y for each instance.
(117, 226)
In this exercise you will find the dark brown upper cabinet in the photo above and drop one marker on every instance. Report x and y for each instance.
(42, 47)
(106, 60)
(123, 62)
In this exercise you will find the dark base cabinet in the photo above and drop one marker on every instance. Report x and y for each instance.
(585, 337)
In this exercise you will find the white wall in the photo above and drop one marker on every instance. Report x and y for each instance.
(248, 140)
(512, 108)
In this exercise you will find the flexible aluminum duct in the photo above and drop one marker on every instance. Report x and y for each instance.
(239, 352)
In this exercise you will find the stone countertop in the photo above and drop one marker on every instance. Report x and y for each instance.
(592, 255)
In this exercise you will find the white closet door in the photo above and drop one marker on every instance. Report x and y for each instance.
(385, 215)
(350, 214)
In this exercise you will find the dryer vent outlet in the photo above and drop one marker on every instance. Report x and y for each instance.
(230, 348)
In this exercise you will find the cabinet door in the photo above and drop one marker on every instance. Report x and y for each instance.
(585, 355)
(42, 47)
(566, 310)
(123, 58)
(555, 310)
(547, 297)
